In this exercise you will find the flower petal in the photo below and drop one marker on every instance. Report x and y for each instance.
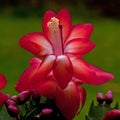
(36, 74)
(67, 100)
(65, 20)
(82, 71)
(81, 31)
(82, 96)
(24, 82)
(102, 75)
(48, 87)
(47, 16)
(63, 70)
(3, 81)
(46, 66)
(89, 74)
(3, 98)
(79, 46)
(37, 44)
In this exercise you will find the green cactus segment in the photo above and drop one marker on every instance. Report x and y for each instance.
(97, 112)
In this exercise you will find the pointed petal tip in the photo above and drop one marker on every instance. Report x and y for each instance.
(64, 10)
(112, 76)
(109, 76)
(89, 74)
(63, 70)
(49, 12)
(90, 26)
(102, 76)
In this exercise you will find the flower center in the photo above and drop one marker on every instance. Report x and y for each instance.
(53, 24)
(56, 38)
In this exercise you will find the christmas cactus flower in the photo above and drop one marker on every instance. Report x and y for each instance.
(64, 44)
(68, 100)
(3, 97)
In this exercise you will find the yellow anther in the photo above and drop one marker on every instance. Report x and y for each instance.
(53, 24)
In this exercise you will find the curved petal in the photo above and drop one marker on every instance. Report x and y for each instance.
(81, 31)
(82, 96)
(3, 81)
(37, 44)
(46, 66)
(24, 83)
(3, 98)
(89, 74)
(67, 100)
(102, 75)
(48, 88)
(63, 70)
(82, 71)
(79, 46)
(47, 16)
(65, 20)
(35, 74)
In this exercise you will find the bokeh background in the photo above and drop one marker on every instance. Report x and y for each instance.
(19, 17)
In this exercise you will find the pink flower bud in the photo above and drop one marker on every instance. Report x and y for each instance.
(15, 98)
(46, 111)
(100, 98)
(112, 115)
(13, 110)
(109, 97)
(35, 95)
(24, 96)
(9, 102)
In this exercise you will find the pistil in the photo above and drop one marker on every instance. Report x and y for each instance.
(60, 26)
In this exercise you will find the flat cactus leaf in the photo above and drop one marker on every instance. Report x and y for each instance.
(97, 112)
(116, 105)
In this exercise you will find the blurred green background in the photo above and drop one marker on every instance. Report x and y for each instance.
(19, 17)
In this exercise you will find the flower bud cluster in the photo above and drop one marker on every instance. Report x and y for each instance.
(12, 104)
(49, 111)
(12, 108)
(28, 105)
(108, 98)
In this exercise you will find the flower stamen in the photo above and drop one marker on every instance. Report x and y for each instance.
(55, 29)
(53, 24)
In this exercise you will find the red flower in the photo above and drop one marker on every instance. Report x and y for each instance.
(112, 115)
(3, 97)
(68, 100)
(64, 44)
